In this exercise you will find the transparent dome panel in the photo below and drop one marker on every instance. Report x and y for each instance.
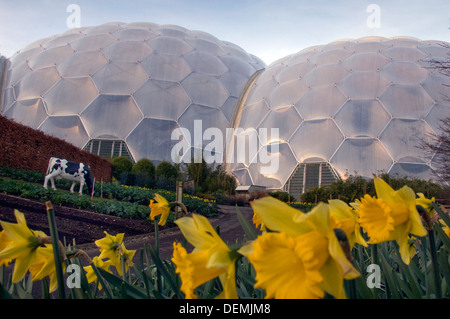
(70, 96)
(205, 90)
(162, 99)
(253, 114)
(295, 71)
(404, 73)
(93, 42)
(368, 46)
(170, 46)
(134, 34)
(363, 85)
(127, 51)
(331, 57)
(50, 57)
(403, 137)
(404, 54)
(36, 83)
(243, 176)
(234, 83)
(82, 63)
(24, 56)
(420, 171)
(19, 73)
(273, 166)
(362, 118)
(8, 99)
(198, 118)
(436, 117)
(261, 89)
(238, 65)
(28, 112)
(325, 75)
(63, 39)
(105, 28)
(152, 139)
(317, 138)
(229, 108)
(207, 46)
(166, 67)
(362, 157)
(243, 148)
(120, 78)
(365, 62)
(284, 120)
(411, 102)
(205, 63)
(438, 87)
(111, 116)
(287, 94)
(320, 103)
(68, 128)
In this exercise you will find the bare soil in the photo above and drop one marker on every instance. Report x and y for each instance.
(86, 227)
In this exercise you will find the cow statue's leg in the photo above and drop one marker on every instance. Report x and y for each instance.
(46, 181)
(49, 178)
(52, 180)
(72, 187)
(81, 187)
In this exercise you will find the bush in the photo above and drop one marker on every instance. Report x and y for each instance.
(167, 170)
(121, 165)
(283, 196)
(355, 187)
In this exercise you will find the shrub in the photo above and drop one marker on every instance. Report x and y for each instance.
(121, 165)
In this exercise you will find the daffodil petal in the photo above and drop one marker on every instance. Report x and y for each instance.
(276, 215)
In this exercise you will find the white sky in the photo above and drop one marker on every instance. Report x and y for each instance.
(269, 29)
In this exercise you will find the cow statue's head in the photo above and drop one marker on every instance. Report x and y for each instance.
(88, 179)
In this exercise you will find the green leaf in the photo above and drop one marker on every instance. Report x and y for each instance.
(164, 271)
(126, 289)
(445, 217)
(249, 230)
(391, 284)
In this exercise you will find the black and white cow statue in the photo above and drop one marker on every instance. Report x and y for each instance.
(63, 169)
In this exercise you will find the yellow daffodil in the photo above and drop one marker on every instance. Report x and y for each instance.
(160, 207)
(110, 247)
(45, 266)
(4, 242)
(22, 247)
(127, 256)
(100, 264)
(426, 203)
(210, 258)
(445, 227)
(392, 215)
(302, 259)
(345, 218)
(258, 222)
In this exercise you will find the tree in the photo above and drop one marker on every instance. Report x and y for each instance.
(439, 145)
(143, 173)
(121, 165)
(167, 170)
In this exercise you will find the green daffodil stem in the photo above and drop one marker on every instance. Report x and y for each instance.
(158, 275)
(56, 249)
(156, 238)
(434, 261)
(434, 264)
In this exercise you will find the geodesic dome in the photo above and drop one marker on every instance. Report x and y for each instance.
(349, 107)
(119, 89)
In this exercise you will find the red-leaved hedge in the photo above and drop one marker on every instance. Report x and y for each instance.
(26, 148)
